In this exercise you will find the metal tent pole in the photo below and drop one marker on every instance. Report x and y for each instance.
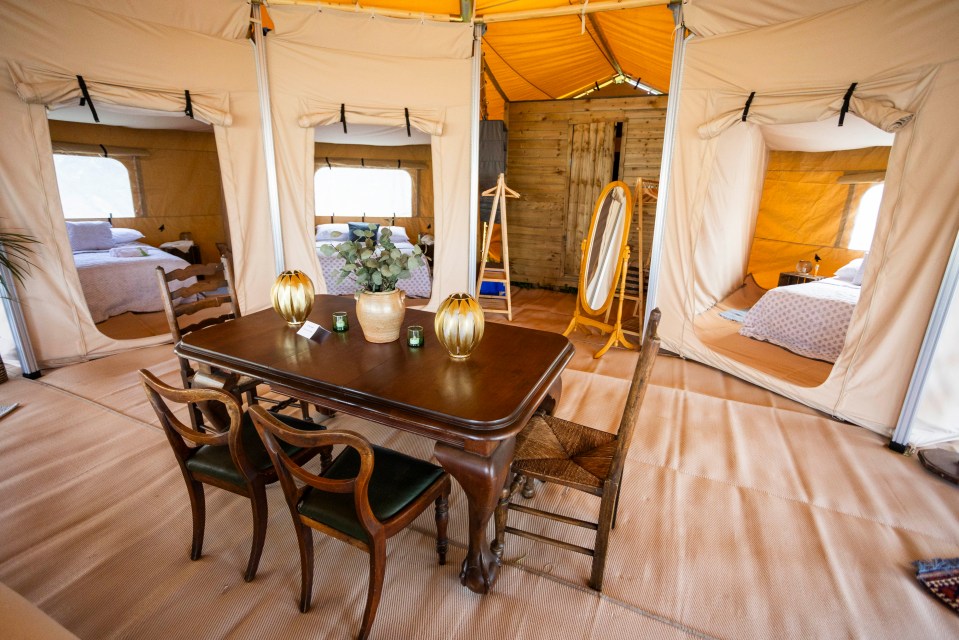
(476, 71)
(18, 325)
(266, 125)
(910, 405)
(665, 170)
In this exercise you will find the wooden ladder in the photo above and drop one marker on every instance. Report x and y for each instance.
(498, 272)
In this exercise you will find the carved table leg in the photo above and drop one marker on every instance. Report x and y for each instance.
(482, 477)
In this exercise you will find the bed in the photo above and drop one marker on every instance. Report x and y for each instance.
(809, 319)
(120, 277)
(418, 285)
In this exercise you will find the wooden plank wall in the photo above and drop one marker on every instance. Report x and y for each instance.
(540, 155)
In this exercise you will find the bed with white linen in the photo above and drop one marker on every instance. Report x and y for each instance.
(810, 319)
(418, 285)
(118, 274)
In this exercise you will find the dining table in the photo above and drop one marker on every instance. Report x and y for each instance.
(472, 408)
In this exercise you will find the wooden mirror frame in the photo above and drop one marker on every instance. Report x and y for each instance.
(584, 315)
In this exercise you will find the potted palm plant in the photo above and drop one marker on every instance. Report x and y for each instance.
(376, 266)
(15, 251)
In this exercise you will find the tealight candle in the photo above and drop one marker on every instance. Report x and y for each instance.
(340, 322)
(414, 336)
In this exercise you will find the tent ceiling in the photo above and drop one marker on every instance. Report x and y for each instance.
(557, 56)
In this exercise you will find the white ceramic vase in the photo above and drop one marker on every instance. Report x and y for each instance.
(381, 314)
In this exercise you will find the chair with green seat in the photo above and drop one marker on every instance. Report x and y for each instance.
(365, 496)
(224, 451)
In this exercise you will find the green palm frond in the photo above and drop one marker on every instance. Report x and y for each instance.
(15, 255)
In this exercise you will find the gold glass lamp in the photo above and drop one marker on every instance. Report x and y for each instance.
(292, 295)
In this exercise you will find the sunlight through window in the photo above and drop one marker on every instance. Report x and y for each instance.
(866, 216)
(357, 192)
(93, 187)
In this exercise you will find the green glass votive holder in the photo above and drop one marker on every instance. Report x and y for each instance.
(340, 321)
(414, 336)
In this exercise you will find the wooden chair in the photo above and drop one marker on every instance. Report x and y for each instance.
(225, 452)
(365, 496)
(213, 289)
(573, 455)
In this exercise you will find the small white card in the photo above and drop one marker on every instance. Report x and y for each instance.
(309, 329)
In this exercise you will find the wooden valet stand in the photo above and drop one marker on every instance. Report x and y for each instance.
(603, 267)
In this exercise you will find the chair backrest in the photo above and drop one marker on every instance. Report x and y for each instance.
(184, 294)
(223, 415)
(272, 431)
(634, 400)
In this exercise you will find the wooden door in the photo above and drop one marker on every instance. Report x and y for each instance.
(590, 169)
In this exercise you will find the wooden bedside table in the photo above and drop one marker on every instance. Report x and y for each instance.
(794, 277)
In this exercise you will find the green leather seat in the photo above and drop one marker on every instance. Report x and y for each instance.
(396, 481)
(218, 463)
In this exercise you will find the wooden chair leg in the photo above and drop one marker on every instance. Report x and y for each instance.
(305, 409)
(326, 457)
(198, 507)
(442, 522)
(529, 489)
(304, 537)
(607, 506)
(260, 516)
(616, 505)
(377, 570)
(513, 481)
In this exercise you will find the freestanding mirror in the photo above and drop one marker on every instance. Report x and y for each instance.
(605, 254)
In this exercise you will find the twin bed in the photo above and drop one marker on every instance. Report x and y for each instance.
(118, 273)
(810, 319)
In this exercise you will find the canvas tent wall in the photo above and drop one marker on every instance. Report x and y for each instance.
(374, 69)
(139, 60)
(800, 62)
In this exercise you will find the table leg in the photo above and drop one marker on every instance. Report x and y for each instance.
(482, 477)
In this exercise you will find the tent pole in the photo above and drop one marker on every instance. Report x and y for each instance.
(665, 169)
(18, 325)
(266, 124)
(475, 79)
(910, 405)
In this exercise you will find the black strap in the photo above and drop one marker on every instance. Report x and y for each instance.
(409, 133)
(399, 164)
(845, 102)
(328, 165)
(597, 85)
(362, 162)
(343, 116)
(85, 100)
(189, 104)
(105, 153)
(637, 82)
(749, 101)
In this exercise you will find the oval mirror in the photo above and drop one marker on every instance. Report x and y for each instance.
(604, 247)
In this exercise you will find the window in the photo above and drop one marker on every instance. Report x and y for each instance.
(94, 187)
(866, 216)
(355, 192)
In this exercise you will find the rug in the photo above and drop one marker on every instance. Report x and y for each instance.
(941, 576)
(736, 315)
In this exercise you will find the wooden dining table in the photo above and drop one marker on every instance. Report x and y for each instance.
(471, 408)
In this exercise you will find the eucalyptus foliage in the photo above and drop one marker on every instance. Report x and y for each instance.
(374, 265)
(15, 251)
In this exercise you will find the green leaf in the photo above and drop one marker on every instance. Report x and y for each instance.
(377, 278)
(327, 249)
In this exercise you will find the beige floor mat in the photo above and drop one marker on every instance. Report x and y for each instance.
(743, 515)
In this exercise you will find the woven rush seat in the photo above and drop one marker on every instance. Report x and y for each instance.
(565, 452)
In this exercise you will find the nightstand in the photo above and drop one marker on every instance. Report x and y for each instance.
(187, 250)
(794, 277)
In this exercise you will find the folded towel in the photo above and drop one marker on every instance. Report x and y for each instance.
(179, 245)
(127, 252)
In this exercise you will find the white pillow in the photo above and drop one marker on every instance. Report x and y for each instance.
(398, 234)
(325, 232)
(90, 236)
(848, 272)
(857, 279)
(123, 236)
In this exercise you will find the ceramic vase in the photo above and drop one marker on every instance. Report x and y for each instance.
(381, 314)
(292, 295)
(459, 325)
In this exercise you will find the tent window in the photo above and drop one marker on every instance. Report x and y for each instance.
(94, 187)
(866, 216)
(357, 191)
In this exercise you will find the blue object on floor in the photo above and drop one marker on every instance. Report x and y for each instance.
(492, 289)
(736, 315)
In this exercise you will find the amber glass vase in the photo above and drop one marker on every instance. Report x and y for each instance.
(292, 296)
(459, 325)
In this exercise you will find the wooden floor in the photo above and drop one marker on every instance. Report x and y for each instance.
(743, 515)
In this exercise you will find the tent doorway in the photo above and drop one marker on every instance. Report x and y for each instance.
(140, 189)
